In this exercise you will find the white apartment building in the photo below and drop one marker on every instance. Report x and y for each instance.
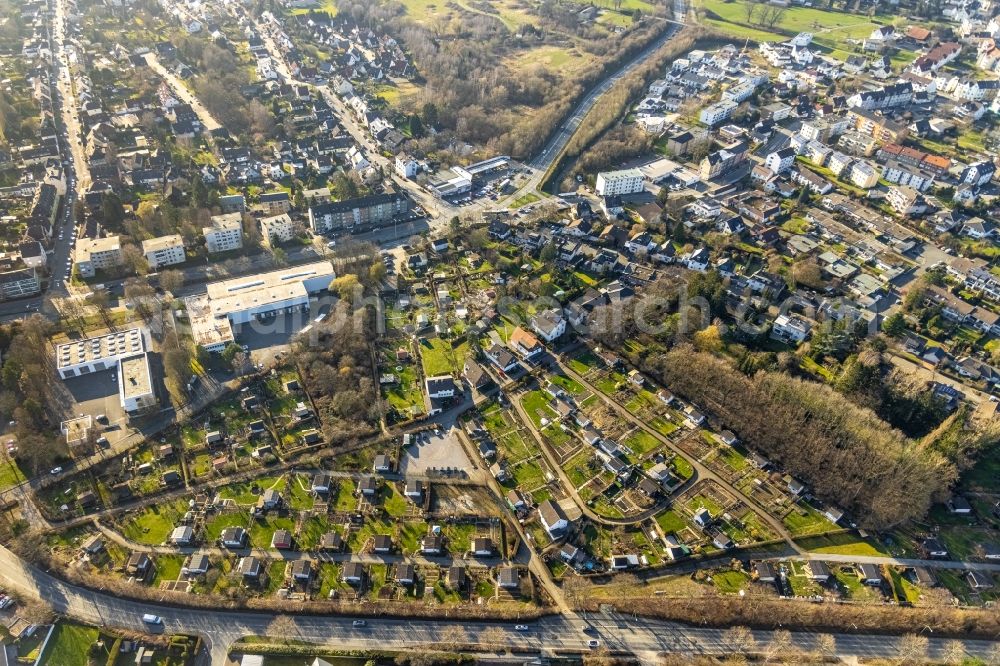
(863, 175)
(718, 112)
(225, 233)
(93, 254)
(163, 251)
(276, 229)
(135, 384)
(406, 166)
(626, 181)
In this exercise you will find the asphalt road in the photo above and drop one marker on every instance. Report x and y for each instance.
(543, 160)
(555, 633)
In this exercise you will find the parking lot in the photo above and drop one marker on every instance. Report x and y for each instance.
(96, 394)
(435, 452)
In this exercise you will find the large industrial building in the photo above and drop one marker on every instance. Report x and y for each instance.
(242, 300)
(124, 351)
(458, 181)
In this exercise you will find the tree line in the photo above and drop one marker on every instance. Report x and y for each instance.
(845, 453)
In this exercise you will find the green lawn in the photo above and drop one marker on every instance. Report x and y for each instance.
(604, 507)
(153, 525)
(439, 357)
(405, 395)
(263, 528)
(733, 458)
(10, 475)
(69, 645)
(832, 29)
(700, 501)
(569, 385)
(581, 468)
(168, 567)
(250, 491)
(730, 582)
(536, 404)
(528, 475)
(663, 426)
(345, 499)
(843, 544)
(803, 519)
(641, 442)
(683, 468)
(904, 589)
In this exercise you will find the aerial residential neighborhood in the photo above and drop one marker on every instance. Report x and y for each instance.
(411, 333)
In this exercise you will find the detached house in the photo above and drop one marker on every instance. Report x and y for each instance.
(525, 344)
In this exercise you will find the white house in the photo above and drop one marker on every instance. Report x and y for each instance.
(553, 519)
(406, 166)
(791, 328)
(718, 112)
(780, 161)
(549, 324)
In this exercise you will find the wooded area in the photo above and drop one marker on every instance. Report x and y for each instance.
(845, 453)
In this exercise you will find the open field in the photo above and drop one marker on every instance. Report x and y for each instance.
(831, 29)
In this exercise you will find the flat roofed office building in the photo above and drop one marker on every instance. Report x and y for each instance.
(135, 384)
(242, 300)
(82, 357)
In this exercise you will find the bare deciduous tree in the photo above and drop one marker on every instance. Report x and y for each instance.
(283, 627)
(954, 652)
(739, 639)
(493, 638)
(913, 649)
(779, 647)
(826, 645)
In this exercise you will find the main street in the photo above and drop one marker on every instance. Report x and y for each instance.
(557, 633)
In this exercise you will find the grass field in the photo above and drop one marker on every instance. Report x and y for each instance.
(803, 519)
(168, 568)
(730, 582)
(396, 92)
(328, 6)
(843, 544)
(69, 645)
(641, 442)
(154, 524)
(10, 475)
(831, 29)
(669, 522)
(440, 358)
(536, 404)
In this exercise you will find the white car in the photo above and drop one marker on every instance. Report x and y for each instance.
(593, 643)
(55, 471)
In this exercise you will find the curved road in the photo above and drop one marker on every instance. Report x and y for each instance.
(701, 471)
(617, 632)
(558, 141)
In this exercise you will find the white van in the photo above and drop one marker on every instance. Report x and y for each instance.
(149, 618)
